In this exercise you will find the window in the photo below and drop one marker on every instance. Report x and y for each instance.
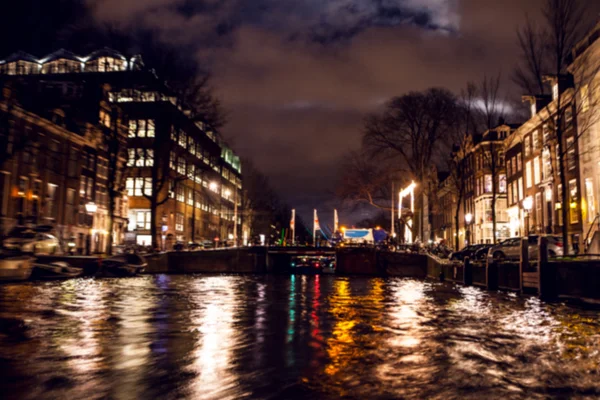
(546, 165)
(140, 157)
(511, 200)
(138, 186)
(180, 195)
(558, 205)
(546, 132)
(527, 145)
(589, 198)
(105, 118)
(502, 183)
(487, 183)
(573, 200)
(536, 170)
(51, 204)
(182, 139)
(142, 220)
(102, 168)
(585, 98)
(509, 167)
(141, 128)
(536, 139)
(179, 222)
(190, 197)
(181, 165)
(528, 176)
(70, 207)
(173, 134)
(571, 161)
(519, 162)
(538, 209)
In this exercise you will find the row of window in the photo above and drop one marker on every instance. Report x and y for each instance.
(141, 128)
(63, 66)
(188, 143)
(140, 157)
(134, 95)
(484, 184)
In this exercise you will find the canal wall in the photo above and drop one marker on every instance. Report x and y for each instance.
(368, 261)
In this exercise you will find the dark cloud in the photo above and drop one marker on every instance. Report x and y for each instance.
(298, 76)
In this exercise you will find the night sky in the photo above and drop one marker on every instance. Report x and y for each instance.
(298, 76)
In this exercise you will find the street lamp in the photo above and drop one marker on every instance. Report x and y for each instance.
(527, 206)
(468, 220)
(91, 209)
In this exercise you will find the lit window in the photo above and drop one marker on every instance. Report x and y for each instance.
(528, 174)
(573, 201)
(585, 98)
(536, 139)
(105, 118)
(179, 222)
(190, 197)
(536, 170)
(591, 204)
(181, 165)
(488, 183)
(180, 193)
(571, 161)
(527, 145)
(502, 183)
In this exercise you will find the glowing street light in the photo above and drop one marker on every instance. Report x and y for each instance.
(468, 220)
(407, 191)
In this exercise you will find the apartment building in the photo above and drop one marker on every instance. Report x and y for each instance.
(182, 180)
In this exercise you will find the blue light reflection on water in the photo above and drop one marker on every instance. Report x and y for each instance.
(229, 337)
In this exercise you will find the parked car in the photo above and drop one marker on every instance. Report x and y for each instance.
(510, 249)
(195, 247)
(180, 246)
(482, 252)
(29, 240)
(468, 251)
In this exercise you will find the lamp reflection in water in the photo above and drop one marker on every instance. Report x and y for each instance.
(213, 318)
(352, 333)
(84, 350)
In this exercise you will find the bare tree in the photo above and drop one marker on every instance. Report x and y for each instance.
(529, 73)
(492, 113)
(410, 130)
(458, 135)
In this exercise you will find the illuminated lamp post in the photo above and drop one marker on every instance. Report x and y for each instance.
(468, 220)
(91, 209)
(527, 206)
(407, 191)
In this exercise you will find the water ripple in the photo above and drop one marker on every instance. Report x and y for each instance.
(268, 337)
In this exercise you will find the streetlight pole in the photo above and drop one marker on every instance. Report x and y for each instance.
(91, 209)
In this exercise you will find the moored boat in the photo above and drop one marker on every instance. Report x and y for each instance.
(17, 268)
(55, 270)
(122, 265)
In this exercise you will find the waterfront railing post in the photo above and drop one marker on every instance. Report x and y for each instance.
(468, 272)
(491, 272)
(523, 261)
(546, 272)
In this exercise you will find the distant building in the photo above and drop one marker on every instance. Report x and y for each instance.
(177, 165)
(52, 168)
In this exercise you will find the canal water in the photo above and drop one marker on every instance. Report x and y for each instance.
(292, 337)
